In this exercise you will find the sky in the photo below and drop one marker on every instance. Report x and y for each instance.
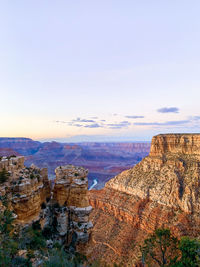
(108, 70)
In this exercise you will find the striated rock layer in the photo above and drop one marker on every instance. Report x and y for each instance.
(64, 209)
(163, 190)
(25, 189)
(71, 193)
(170, 175)
(176, 144)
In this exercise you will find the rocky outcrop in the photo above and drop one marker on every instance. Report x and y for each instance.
(25, 189)
(71, 186)
(12, 164)
(71, 194)
(170, 175)
(163, 190)
(187, 144)
(64, 208)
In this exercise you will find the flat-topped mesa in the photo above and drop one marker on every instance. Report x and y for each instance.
(71, 193)
(176, 144)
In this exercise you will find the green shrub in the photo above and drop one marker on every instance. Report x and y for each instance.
(56, 205)
(3, 176)
(47, 232)
(47, 199)
(32, 176)
(43, 206)
(163, 249)
(36, 225)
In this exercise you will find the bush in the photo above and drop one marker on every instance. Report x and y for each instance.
(47, 232)
(163, 249)
(21, 262)
(33, 239)
(43, 206)
(3, 176)
(190, 250)
(36, 225)
(32, 176)
(47, 199)
(38, 177)
(56, 205)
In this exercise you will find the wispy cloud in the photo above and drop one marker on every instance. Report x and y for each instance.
(94, 125)
(168, 110)
(195, 118)
(82, 120)
(91, 123)
(134, 117)
(60, 121)
(122, 124)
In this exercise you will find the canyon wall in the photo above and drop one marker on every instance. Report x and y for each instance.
(170, 175)
(175, 144)
(163, 190)
(103, 160)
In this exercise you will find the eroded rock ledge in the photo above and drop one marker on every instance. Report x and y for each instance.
(62, 206)
(71, 192)
(176, 144)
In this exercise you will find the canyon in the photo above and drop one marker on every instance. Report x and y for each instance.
(110, 224)
(163, 190)
(103, 160)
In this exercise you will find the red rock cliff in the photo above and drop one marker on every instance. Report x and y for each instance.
(175, 143)
(163, 190)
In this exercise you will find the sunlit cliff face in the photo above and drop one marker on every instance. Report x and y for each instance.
(162, 191)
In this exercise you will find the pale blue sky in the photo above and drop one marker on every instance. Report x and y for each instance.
(68, 61)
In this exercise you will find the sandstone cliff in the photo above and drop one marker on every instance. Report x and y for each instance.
(25, 189)
(71, 193)
(63, 208)
(163, 190)
(170, 175)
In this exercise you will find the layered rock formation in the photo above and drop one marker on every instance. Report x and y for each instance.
(27, 192)
(25, 188)
(163, 190)
(170, 175)
(71, 193)
(103, 160)
(176, 144)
